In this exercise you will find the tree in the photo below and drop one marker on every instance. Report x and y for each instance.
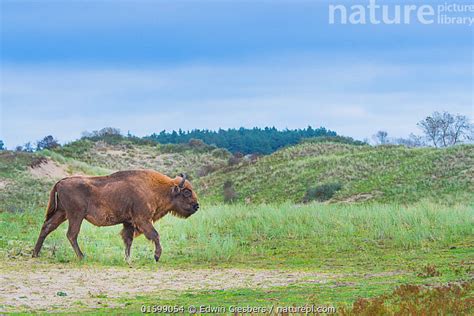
(381, 137)
(470, 134)
(48, 142)
(244, 140)
(2, 145)
(109, 131)
(104, 132)
(86, 134)
(461, 129)
(412, 141)
(432, 129)
(28, 147)
(445, 129)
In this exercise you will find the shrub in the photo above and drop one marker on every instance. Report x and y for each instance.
(230, 195)
(196, 143)
(334, 139)
(235, 159)
(411, 299)
(429, 271)
(221, 153)
(76, 149)
(113, 136)
(48, 142)
(322, 192)
(205, 170)
(172, 148)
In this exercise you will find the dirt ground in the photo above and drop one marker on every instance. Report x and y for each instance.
(47, 168)
(3, 184)
(38, 286)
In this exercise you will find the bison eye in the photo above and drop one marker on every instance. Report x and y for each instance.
(187, 193)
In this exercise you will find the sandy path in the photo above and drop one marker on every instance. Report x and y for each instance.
(37, 287)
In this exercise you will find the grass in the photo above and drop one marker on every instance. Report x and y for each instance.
(75, 166)
(384, 173)
(282, 235)
(378, 248)
(22, 193)
(392, 298)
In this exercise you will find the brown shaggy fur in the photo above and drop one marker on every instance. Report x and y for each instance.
(134, 198)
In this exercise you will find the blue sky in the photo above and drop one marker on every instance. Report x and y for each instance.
(145, 66)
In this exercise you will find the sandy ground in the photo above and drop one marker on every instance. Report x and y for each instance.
(3, 184)
(48, 169)
(35, 286)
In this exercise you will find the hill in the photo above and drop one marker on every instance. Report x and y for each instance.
(353, 173)
(195, 158)
(383, 173)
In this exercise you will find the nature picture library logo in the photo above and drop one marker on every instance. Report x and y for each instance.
(373, 12)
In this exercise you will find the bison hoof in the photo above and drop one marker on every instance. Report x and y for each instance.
(157, 258)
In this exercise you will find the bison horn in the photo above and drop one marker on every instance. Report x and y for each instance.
(181, 184)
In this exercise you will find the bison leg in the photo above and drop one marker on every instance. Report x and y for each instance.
(49, 225)
(151, 234)
(72, 233)
(127, 236)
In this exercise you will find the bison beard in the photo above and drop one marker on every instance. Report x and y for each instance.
(135, 198)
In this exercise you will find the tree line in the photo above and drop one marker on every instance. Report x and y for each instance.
(47, 142)
(439, 130)
(244, 140)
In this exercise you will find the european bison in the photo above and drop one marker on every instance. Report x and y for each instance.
(135, 198)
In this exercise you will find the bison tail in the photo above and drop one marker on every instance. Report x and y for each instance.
(52, 203)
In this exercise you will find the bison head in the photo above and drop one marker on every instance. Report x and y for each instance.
(184, 199)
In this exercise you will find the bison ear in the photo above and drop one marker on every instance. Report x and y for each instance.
(175, 190)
